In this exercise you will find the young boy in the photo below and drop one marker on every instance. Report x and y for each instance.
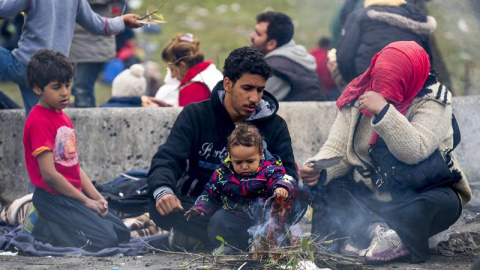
(249, 173)
(71, 212)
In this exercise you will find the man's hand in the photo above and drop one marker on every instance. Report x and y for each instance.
(131, 21)
(372, 102)
(167, 204)
(309, 174)
(281, 193)
(194, 212)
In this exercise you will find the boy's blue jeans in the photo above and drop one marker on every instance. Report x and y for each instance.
(14, 70)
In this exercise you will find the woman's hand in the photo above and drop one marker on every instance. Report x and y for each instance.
(153, 102)
(309, 174)
(372, 102)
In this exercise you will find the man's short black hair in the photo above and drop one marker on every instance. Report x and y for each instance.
(246, 60)
(47, 66)
(280, 26)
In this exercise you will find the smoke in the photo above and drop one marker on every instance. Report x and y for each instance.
(272, 228)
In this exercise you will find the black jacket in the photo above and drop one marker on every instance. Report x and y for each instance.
(199, 135)
(367, 31)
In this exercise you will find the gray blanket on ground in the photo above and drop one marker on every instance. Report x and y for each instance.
(25, 244)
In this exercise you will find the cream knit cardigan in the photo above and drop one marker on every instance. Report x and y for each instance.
(411, 138)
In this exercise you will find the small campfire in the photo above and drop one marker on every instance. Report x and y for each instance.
(274, 246)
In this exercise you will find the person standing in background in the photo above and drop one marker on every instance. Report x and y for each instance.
(90, 52)
(367, 31)
(320, 53)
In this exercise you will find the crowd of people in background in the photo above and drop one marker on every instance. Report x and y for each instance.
(359, 29)
(376, 66)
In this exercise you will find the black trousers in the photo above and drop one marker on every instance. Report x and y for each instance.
(63, 221)
(232, 228)
(196, 226)
(346, 209)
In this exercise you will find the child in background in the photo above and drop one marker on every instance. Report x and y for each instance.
(128, 90)
(71, 212)
(248, 174)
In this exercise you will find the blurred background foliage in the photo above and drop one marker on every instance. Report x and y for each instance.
(222, 26)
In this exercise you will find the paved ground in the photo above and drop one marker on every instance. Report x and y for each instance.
(184, 261)
(173, 261)
(195, 261)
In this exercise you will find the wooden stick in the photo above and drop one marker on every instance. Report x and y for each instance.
(336, 256)
(148, 14)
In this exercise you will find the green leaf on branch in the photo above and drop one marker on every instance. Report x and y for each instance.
(219, 250)
(219, 238)
(292, 263)
(304, 244)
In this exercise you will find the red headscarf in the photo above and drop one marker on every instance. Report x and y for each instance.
(397, 72)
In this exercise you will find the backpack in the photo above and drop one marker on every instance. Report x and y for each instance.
(127, 195)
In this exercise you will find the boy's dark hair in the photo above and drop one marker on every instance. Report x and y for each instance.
(246, 60)
(280, 26)
(246, 135)
(324, 42)
(47, 66)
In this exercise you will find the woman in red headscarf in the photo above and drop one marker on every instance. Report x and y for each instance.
(403, 104)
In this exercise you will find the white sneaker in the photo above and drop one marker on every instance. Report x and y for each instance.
(386, 246)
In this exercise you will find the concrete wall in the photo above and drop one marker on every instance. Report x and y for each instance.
(113, 140)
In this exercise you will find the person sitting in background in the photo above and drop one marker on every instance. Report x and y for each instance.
(128, 90)
(154, 77)
(320, 53)
(294, 77)
(186, 63)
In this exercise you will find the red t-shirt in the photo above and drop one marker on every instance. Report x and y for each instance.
(49, 130)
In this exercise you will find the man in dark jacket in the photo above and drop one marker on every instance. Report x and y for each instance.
(367, 31)
(199, 138)
(294, 77)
